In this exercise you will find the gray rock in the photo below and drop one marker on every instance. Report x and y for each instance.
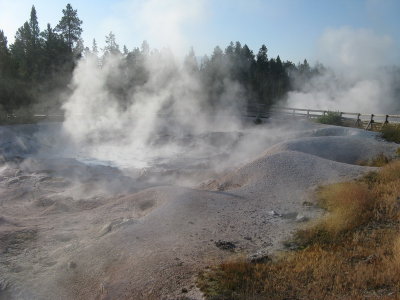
(259, 257)
(72, 265)
(225, 245)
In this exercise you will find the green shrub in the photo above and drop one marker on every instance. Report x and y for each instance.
(331, 117)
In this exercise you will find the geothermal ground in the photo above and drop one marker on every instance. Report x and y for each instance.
(73, 227)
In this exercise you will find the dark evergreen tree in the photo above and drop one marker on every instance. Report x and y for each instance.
(229, 51)
(21, 51)
(34, 28)
(56, 51)
(262, 57)
(4, 54)
(261, 82)
(5, 72)
(70, 26)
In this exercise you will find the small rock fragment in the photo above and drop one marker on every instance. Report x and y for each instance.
(301, 218)
(274, 213)
(72, 265)
(225, 245)
(259, 257)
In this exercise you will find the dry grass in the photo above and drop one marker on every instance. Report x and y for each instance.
(378, 161)
(351, 253)
(391, 133)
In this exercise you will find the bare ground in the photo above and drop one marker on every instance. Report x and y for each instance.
(73, 231)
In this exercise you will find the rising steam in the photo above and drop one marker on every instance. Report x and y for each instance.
(152, 118)
(358, 79)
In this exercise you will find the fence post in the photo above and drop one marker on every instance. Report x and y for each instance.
(386, 122)
(358, 121)
(371, 122)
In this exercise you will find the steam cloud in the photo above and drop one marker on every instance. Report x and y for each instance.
(157, 115)
(358, 80)
(154, 116)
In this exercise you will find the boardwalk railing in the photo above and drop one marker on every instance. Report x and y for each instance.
(16, 118)
(368, 121)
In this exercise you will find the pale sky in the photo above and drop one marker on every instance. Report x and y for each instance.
(294, 29)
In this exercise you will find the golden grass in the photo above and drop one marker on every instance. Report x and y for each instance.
(378, 161)
(391, 133)
(351, 253)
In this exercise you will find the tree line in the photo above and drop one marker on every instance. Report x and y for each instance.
(35, 71)
(39, 64)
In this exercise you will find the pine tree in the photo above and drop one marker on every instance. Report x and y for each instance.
(230, 49)
(70, 26)
(190, 63)
(125, 50)
(79, 48)
(4, 53)
(50, 46)
(20, 51)
(145, 48)
(305, 68)
(55, 49)
(4, 74)
(95, 49)
(238, 49)
(48, 35)
(262, 56)
(5, 59)
(34, 28)
(34, 51)
(111, 45)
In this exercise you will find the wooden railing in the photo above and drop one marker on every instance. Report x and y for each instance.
(368, 121)
(24, 118)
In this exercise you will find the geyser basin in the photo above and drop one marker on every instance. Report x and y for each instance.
(76, 229)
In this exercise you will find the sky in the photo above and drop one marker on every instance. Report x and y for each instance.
(293, 29)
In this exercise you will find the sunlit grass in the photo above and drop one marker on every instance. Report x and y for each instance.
(391, 133)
